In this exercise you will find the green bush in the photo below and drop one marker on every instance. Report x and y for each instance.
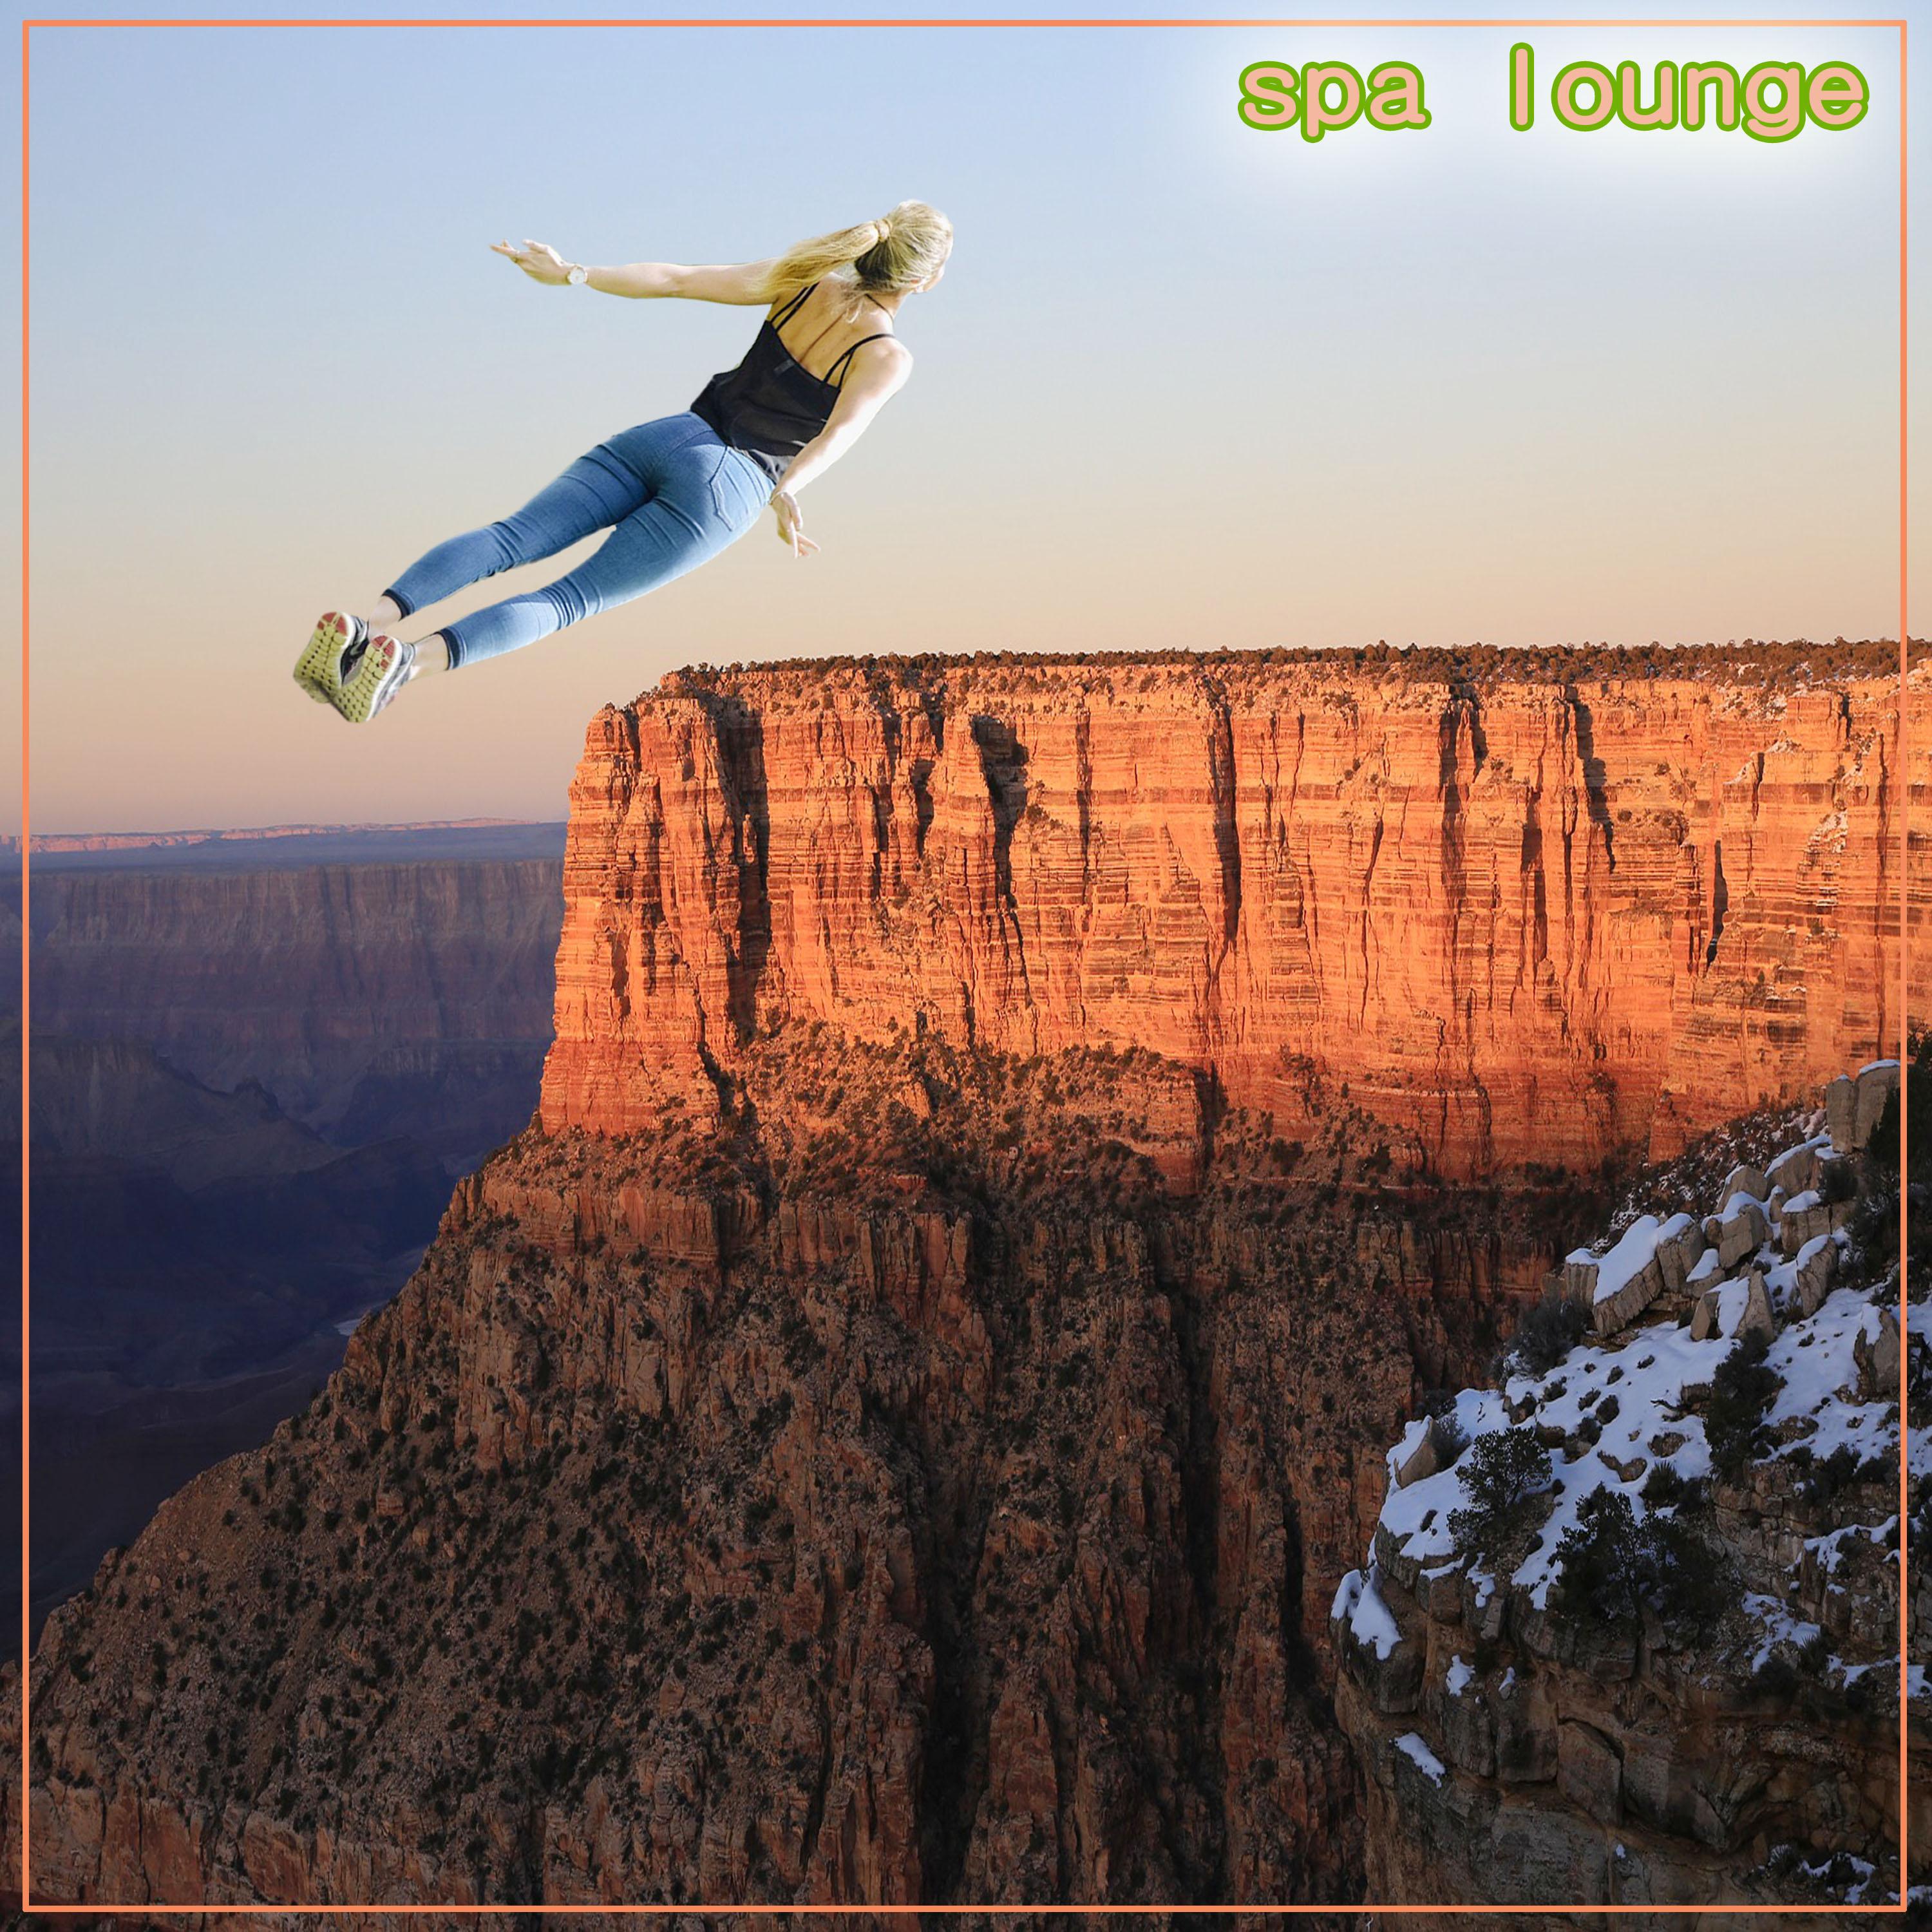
(1612, 1567)
(1665, 1486)
(1502, 1473)
(1547, 1333)
(1741, 1391)
(1826, 1480)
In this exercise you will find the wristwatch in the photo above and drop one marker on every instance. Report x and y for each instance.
(576, 274)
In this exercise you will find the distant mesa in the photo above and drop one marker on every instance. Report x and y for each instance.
(251, 847)
(130, 841)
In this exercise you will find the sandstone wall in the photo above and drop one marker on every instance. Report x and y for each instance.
(1526, 918)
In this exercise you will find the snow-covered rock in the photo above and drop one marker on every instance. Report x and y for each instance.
(1585, 1730)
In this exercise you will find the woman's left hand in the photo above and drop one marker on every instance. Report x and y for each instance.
(538, 260)
(791, 526)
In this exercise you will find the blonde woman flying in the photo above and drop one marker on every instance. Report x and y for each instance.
(674, 492)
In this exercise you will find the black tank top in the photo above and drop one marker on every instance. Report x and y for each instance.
(771, 406)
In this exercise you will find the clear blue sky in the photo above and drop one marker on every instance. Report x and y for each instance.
(1183, 383)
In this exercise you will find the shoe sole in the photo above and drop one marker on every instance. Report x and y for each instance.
(319, 669)
(379, 673)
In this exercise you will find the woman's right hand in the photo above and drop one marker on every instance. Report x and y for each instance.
(791, 525)
(538, 260)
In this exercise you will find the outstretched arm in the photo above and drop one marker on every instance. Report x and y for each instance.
(742, 283)
(878, 370)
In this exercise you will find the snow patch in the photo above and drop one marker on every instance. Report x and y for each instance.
(1830, 1546)
(1371, 1623)
(1779, 1625)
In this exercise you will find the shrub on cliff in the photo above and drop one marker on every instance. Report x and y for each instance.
(1612, 1567)
(1503, 1473)
(1546, 1334)
(1741, 1392)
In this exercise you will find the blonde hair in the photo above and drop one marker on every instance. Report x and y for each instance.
(892, 253)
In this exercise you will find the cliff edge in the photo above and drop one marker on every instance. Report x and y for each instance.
(1629, 1630)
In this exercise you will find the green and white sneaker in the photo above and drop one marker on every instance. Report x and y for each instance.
(379, 673)
(337, 642)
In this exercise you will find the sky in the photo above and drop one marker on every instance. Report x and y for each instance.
(1183, 383)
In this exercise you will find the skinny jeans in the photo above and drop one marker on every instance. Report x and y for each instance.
(672, 493)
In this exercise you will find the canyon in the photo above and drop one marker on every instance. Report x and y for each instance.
(369, 997)
(1021, 1136)
(259, 1062)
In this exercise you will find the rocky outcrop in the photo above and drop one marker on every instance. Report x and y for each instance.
(1523, 915)
(924, 1486)
(1668, 1674)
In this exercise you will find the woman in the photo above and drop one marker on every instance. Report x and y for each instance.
(675, 491)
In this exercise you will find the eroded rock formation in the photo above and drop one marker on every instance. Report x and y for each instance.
(1662, 1666)
(1523, 917)
(905, 1490)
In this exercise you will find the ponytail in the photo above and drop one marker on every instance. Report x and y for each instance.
(894, 252)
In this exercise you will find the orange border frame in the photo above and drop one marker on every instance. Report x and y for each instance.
(95, 1909)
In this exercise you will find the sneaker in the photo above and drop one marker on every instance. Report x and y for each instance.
(336, 644)
(379, 672)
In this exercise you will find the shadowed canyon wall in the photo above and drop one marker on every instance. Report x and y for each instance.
(258, 1063)
(370, 998)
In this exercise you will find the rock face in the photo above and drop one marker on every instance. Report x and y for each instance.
(905, 1491)
(1524, 915)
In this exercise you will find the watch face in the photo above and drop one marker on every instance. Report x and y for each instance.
(579, 275)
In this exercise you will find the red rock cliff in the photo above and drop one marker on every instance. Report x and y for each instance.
(1523, 914)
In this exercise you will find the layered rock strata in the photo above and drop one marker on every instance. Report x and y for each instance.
(1525, 915)
(928, 1486)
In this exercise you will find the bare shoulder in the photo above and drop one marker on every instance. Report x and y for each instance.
(886, 353)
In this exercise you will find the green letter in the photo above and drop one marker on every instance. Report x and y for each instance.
(1766, 123)
(1836, 96)
(1317, 116)
(1268, 100)
(1703, 75)
(1395, 96)
(1630, 110)
(1522, 85)
(1603, 91)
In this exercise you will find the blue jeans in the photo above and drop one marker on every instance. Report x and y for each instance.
(672, 493)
